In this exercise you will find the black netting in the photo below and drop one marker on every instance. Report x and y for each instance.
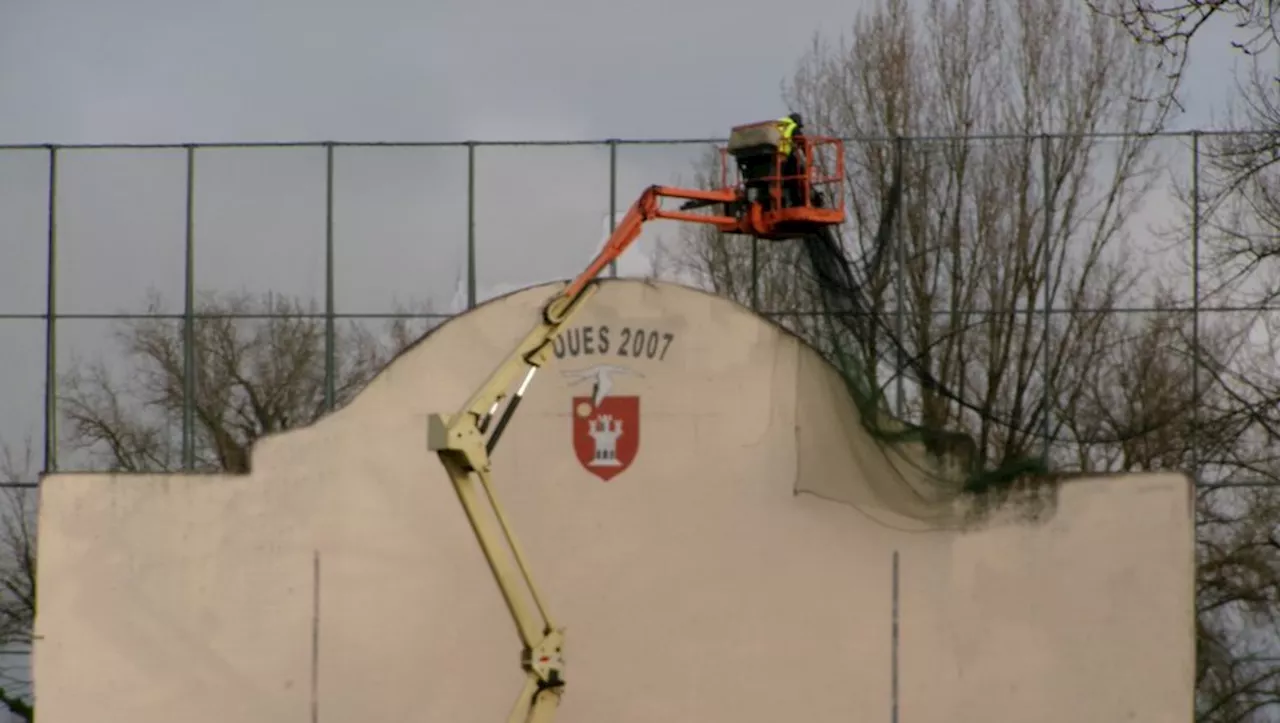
(857, 336)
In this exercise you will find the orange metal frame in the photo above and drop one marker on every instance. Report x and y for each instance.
(809, 179)
(777, 223)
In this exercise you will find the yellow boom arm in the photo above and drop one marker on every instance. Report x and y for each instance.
(464, 440)
(464, 444)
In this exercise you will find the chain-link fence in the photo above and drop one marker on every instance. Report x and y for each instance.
(99, 237)
(1084, 288)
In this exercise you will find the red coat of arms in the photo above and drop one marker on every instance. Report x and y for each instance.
(606, 436)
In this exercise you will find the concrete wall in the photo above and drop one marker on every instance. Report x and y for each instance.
(740, 568)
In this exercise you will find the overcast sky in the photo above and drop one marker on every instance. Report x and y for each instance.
(243, 70)
(175, 71)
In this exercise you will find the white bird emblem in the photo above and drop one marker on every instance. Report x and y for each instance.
(602, 376)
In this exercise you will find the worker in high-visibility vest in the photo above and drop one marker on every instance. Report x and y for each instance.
(791, 148)
(788, 125)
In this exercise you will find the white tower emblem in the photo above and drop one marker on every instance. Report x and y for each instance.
(604, 431)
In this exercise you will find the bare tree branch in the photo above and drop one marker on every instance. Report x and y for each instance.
(1171, 25)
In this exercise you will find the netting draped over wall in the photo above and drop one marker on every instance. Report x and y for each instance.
(847, 336)
(1024, 306)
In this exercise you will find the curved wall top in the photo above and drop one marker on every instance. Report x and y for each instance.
(717, 534)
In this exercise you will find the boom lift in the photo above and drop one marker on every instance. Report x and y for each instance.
(754, 204)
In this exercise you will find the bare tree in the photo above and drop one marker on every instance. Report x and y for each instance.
(1238, 201)
(1232, 213)
(1232, 216)
(17, 579)
(253, 377)
(990, 231)
(1176, 397)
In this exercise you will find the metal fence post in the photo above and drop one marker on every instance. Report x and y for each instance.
(51, 322)
(1195, 307)
(1047, 241)
(471, 224)
(899, 285)
(755, 274)
(613, 198)
(895, 597)
(189, 331)
(330, 331)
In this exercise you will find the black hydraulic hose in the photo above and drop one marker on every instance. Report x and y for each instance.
(846, 299)
(491, 443)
